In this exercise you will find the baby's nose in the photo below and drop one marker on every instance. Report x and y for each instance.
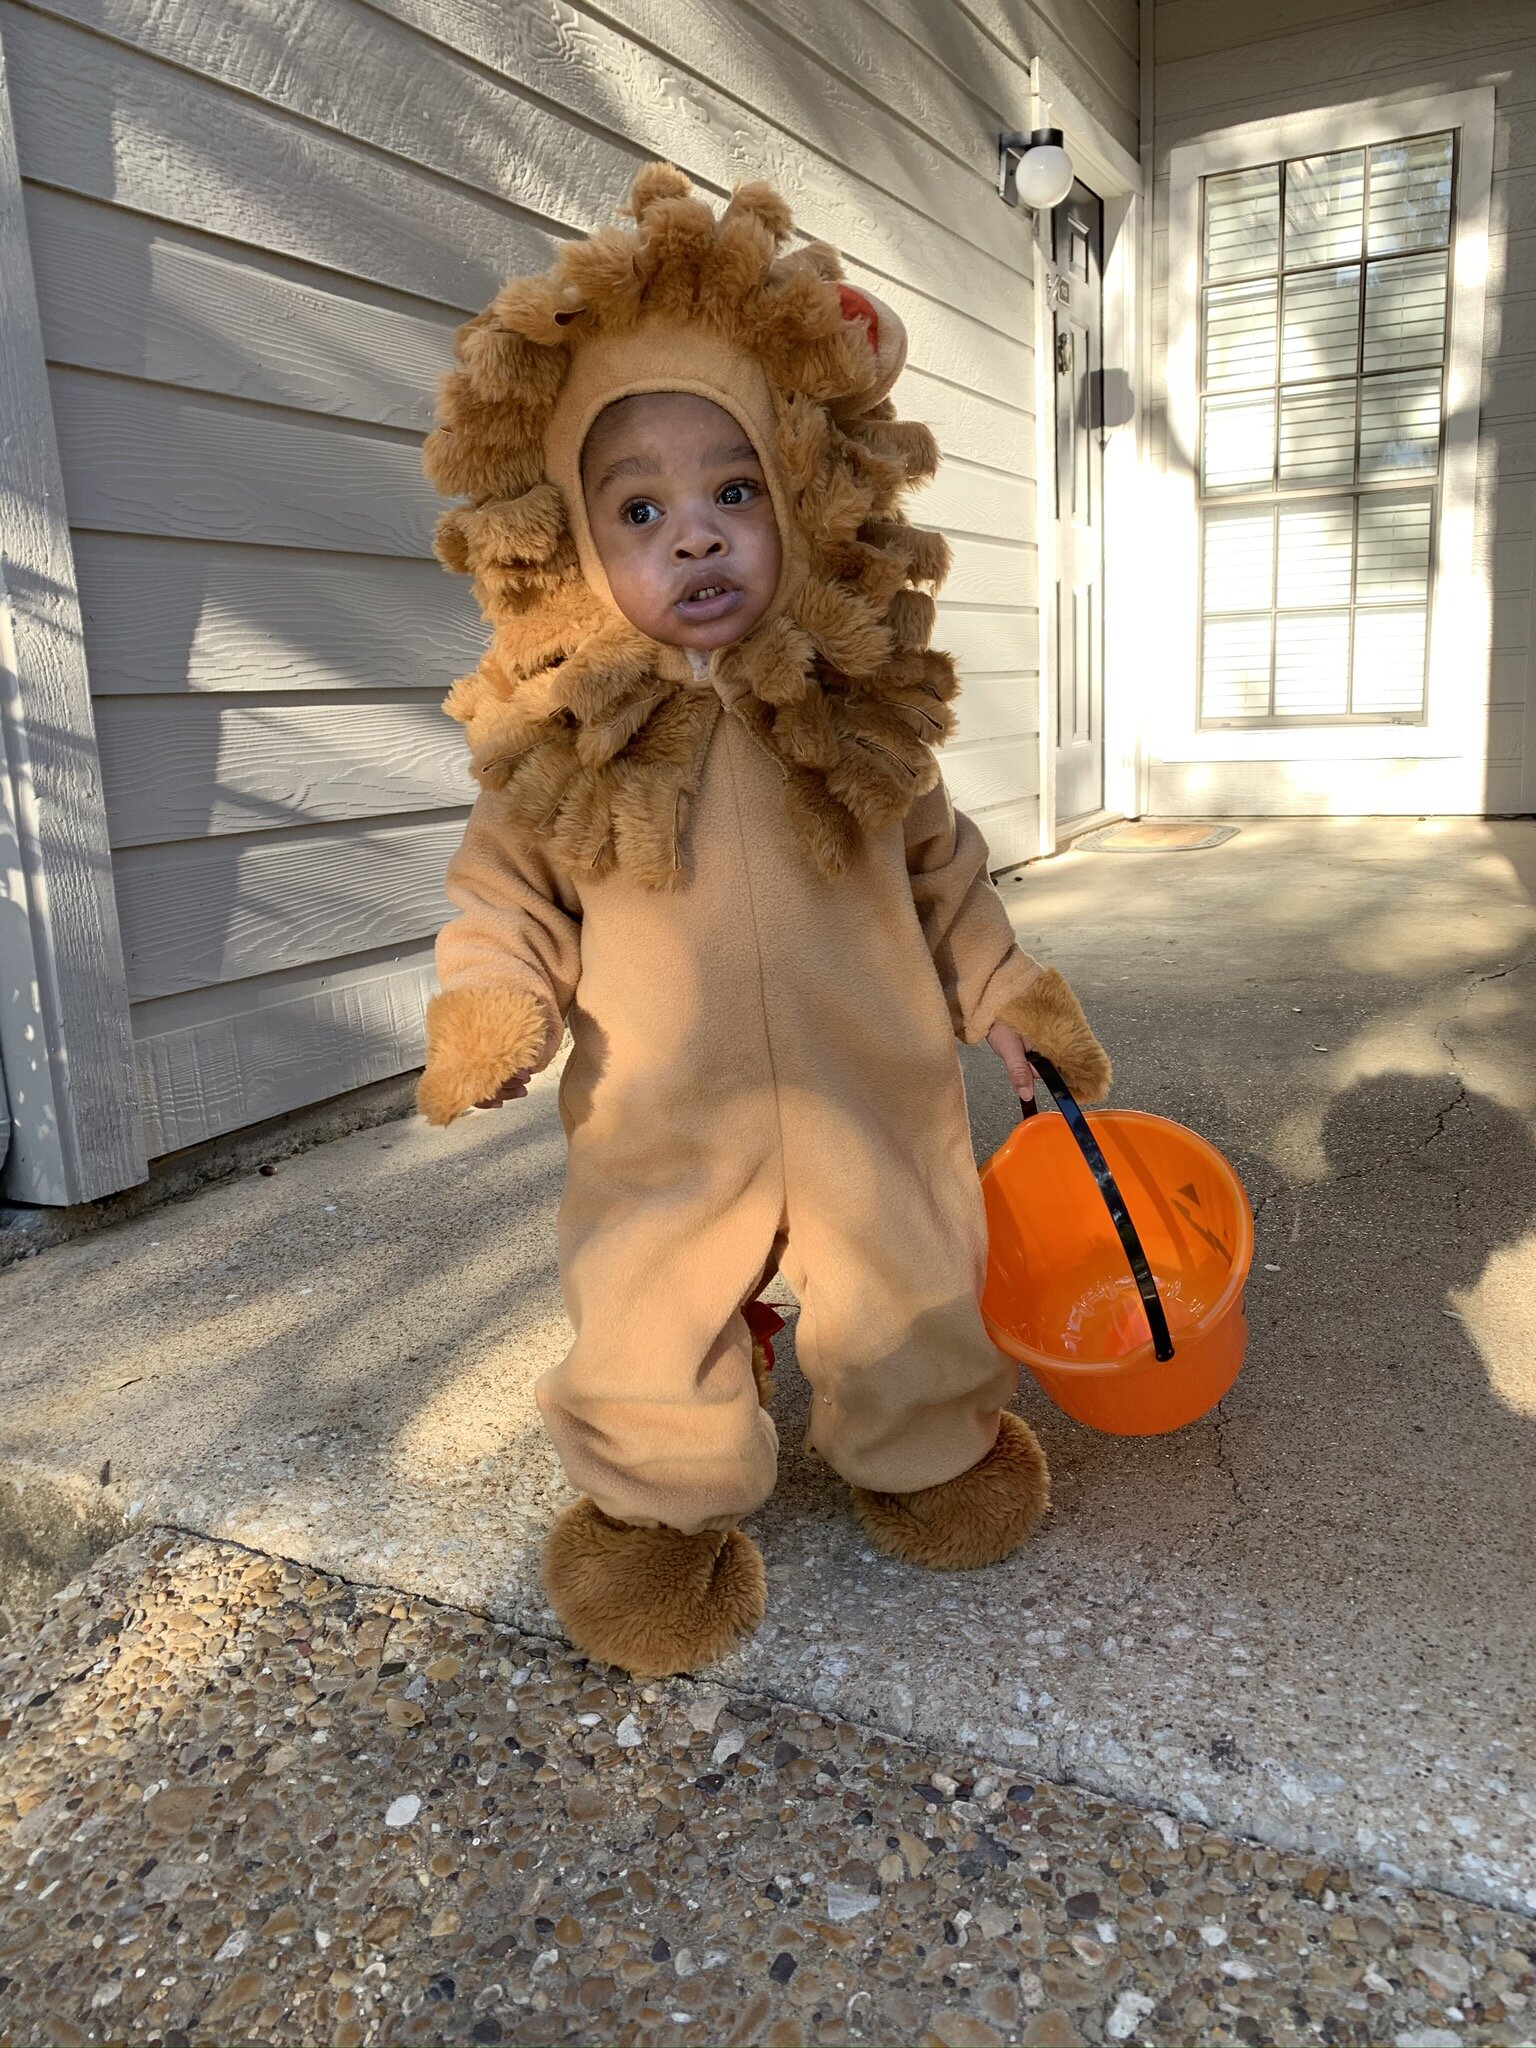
(696, 546)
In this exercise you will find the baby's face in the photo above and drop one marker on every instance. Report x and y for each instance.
(681, 519)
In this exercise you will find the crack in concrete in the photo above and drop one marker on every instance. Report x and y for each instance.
(1501, 973)
(1224, 1462)
(1372, 1167)
(1460, 1100)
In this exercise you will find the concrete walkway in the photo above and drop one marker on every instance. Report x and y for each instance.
(1310, 1619)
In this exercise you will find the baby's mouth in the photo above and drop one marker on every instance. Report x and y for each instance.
(709, 600)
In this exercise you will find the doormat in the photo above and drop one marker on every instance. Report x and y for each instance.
(1150, 837)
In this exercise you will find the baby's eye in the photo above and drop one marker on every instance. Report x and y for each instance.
(740, 492)
(640, 512)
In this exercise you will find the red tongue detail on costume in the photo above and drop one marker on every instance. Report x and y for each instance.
(765, 1324)
(857, 307)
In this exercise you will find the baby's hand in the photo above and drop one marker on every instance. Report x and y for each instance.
(511, 1089)
(1014, 1054)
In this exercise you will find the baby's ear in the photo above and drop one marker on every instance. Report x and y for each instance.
(887, 337)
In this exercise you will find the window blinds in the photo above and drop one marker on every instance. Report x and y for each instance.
(1324, 294)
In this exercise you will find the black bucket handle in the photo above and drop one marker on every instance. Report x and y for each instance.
(1114, 1201)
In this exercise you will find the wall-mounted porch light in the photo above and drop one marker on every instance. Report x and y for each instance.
(1034, 168)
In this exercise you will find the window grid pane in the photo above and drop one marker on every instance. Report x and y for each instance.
(1240, 335)
(1324, 209)
(1317, 435)
(1239, 443)
(1410, 195)
(1405, 312)
(1316, 554)
(1400, 425)
(1320, 336)
(1324, 309)
(1242, 223)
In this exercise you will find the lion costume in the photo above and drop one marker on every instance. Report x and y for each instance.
(741, 884)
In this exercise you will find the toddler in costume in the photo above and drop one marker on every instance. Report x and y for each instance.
(712, 837)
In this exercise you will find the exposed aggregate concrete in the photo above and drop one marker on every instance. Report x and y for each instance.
(242, 1801)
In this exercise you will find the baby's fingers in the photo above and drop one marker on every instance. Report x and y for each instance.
(514, 1087)
(1014, 1054)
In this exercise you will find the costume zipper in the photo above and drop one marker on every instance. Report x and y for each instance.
(875, 747)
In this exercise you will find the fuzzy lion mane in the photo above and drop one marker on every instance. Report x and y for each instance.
(566, 711)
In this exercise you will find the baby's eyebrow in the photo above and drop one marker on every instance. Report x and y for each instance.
(739, 451)
(627, 465)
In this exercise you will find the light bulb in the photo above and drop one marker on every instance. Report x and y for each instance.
(1044, 176)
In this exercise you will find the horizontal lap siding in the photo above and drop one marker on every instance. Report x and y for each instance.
(1218, 64)
(255, 230)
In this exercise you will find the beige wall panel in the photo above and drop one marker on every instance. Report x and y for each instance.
(1510, 329)
(218, 910)
(619, 86)
(346, 67)
(968, 423)
(99, 119)
(991, 572)
(175, 615)
(141, 458)
(984, 777)
(1514, 134)
(293, 1039)
(1513, 207)
(965, 498)
(1506, 796)
(139, 299)
(1001, 707)
(957, 108)
(196, 767)
(1096, 61)
(986, 640)
(1393, 48)
(1510, 680)
(732, 48)
(986, 46)
(1507, 448)
(995, 75)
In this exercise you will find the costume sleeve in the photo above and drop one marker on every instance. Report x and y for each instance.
(508, 966)
(986, 976)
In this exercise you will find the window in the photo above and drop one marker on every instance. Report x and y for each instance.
(1324, 305)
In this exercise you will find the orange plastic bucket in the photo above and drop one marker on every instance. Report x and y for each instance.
(1060, 1296)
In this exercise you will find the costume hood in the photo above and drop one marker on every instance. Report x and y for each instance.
(596, 732)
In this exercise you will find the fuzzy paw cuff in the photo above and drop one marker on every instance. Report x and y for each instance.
(1050, 1018)
(476, 1038)
(974, 1519)
(652, 1600)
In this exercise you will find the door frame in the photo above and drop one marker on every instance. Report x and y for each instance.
(66, 1043)
(1109, 170)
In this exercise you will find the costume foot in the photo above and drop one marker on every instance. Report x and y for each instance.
(973, 1519)
(653, 1601)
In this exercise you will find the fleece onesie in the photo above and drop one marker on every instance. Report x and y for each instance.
(741, 885)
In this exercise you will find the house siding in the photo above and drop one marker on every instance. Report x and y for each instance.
(254, 231)
(1216, 65)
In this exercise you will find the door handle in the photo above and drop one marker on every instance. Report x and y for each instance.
(1063, 353)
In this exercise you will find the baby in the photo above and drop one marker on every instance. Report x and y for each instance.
(712, 840)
